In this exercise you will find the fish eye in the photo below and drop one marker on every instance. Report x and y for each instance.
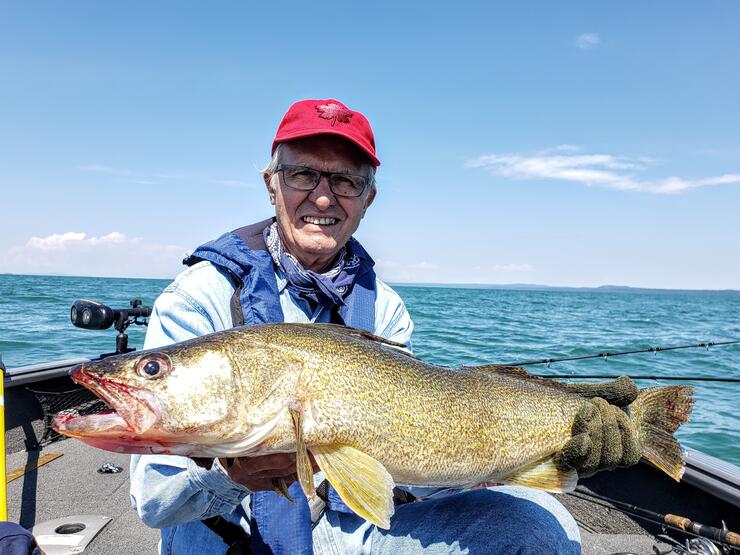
(153, 366)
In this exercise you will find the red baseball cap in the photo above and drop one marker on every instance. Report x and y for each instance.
(306, 118)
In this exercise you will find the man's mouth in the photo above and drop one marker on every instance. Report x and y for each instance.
(319, 221)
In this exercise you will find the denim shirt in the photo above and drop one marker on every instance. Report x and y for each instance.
(171, 492)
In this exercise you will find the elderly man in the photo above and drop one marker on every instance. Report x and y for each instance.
(304, 266)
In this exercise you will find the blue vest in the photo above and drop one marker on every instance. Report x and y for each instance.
(279, 526)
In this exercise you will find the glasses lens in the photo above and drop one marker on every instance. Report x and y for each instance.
(301, 178)
(347, 185)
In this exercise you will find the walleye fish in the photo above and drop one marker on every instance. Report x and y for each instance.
(371, 415)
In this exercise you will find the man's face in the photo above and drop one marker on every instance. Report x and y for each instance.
(315, 225)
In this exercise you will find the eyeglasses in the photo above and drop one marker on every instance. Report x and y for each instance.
(303, 178)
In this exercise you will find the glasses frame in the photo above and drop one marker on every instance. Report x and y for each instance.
(282, 167)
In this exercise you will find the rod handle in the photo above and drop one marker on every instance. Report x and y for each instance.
(703, 530)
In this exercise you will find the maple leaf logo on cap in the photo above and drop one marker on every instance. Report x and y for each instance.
(334, 112)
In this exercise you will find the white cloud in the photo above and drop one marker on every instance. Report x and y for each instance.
(585, 41)
(61, 241)
(75, 253)
(600, 170)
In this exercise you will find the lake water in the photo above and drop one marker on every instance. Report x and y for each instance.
(458, 325)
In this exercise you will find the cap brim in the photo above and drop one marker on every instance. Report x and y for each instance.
(291, 136)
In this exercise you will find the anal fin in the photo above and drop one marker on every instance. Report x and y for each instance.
(361, 481)
(304, 468)
(543, 475)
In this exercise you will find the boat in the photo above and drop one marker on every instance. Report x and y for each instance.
(75, 498)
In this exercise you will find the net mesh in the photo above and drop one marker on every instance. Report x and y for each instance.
(80, 400)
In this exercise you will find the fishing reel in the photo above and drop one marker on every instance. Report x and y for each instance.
(92, 315)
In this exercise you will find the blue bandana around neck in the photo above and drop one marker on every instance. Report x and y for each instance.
(327, 288)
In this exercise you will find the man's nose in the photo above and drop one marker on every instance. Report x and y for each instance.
(322, 195)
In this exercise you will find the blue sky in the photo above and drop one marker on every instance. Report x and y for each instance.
(535, 142)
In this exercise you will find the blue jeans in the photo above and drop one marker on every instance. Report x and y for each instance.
(504, 519)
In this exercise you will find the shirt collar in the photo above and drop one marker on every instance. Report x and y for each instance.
(282, 280)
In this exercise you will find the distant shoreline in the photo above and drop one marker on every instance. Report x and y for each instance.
(599, 289)
(501, 286)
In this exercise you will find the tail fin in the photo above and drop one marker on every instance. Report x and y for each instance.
(657, 413)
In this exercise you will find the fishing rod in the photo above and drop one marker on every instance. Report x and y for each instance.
(654, 350)
(676, 522)
(653, 378)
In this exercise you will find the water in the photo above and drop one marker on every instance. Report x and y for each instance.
(459, 326)
(34, 316)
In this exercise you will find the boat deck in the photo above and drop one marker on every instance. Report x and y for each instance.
(71, 485)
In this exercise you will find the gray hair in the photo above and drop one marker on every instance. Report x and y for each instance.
(271, 168)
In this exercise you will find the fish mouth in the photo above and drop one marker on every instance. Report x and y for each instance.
(134, 409)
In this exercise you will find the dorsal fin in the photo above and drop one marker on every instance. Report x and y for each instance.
(498, 369)
(518, 373)
(620, 391)
(357, 333)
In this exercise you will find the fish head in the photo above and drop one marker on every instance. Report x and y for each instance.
(180, 395)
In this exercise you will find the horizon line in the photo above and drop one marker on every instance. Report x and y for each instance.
(468, 285)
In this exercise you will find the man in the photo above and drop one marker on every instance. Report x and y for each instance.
(304, 266)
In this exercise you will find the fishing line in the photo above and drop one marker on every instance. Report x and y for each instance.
(652, 378)
(654, 350)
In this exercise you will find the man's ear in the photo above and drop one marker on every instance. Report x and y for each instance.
(369, 200)
(270, 189)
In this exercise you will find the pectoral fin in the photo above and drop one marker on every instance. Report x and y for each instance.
(544, 475)
(304, 469)
(361, 481)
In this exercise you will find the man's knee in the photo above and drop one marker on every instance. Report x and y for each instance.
(501, 520)
(536, 517)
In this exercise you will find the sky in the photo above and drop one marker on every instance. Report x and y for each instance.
(573, 144)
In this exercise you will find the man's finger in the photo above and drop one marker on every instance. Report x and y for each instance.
(584, 417)
(259, 484)
(596, 434)
(611, 451)
(255, 465)
(620, 391)
(631, 448)
(272, 472)
(574, 453)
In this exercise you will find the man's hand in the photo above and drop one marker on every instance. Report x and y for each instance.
(603, 439)
(259, 473)
(603, 435)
